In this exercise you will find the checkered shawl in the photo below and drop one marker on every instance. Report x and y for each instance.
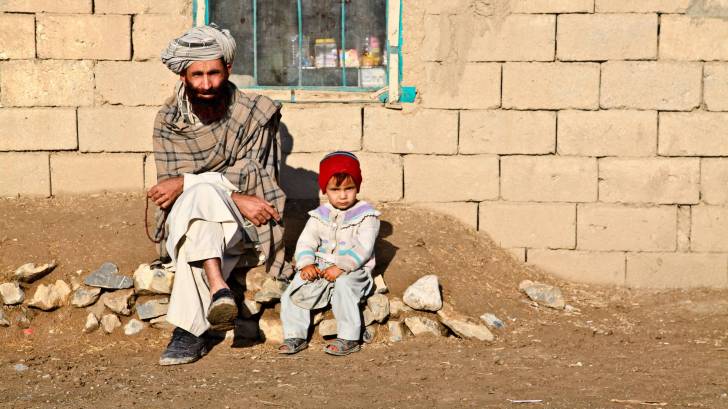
(244, 146)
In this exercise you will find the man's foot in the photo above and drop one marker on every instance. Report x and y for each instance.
(292, 345)
(184, 348)
(341, 347)
(223, 311)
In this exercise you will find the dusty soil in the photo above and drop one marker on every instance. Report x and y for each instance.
(621, 348)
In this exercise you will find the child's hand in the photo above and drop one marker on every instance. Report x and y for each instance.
(332, 273)
(310, 272)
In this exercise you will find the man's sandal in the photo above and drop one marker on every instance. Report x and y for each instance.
(341, 347)
(223, 311)
(291, 346)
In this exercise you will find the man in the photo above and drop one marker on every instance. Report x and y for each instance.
(217, 152)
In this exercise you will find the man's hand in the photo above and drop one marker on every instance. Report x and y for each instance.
(255, 209)
(332, 273)
(164, 193)
(310, 272)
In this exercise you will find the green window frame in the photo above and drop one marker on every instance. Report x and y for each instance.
(391, 93)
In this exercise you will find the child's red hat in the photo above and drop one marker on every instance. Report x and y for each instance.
(339, 162)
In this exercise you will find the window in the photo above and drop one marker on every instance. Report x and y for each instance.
(340, 45)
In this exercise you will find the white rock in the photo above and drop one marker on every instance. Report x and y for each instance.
(379, 305)
(118, 301)
(85, 296)
(11, 293)
(327, 328)
(492, 321)
(254, 279)
(397, 330)
(29, 272)
(92, 323)
(149, 280)
(398, 308)
(152, 308)
(543, 294)
(110, 322)
(107, 276)
(49, 297)
(367, 316)
(133, 327)
(462, 325)
(271, 290)
(424, 326)
(3, 321)
(424, 294)
(271, 327)
(161, 323)
(380, 287)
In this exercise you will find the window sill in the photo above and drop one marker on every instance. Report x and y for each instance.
(316, 96)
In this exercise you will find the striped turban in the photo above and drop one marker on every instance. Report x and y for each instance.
(201, 43)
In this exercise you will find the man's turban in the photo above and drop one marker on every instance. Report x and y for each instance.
(201, 43)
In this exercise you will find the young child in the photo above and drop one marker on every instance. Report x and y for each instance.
(334, 259)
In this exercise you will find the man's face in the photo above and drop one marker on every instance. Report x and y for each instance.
(204, 80)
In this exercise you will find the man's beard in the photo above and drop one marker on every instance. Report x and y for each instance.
(193, 95)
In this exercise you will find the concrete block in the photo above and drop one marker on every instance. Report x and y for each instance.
(693, 134)
(649, 180)
(322, 128)
(150, 171)
(142, 7)
(715, 86)
(46, 6)
(684, 224)
(641, 6)
(507, 132)
(601, 37)
(36, 129)
(709, 229)
(78, 36)
(463, 86)
(152, 33)
(552, 6)
(660, 85)
(24, 174)
(116, 129)
(450, 178)
(299, 175)
(537, 225)
(677, 270)
(517, 37)
(593, 267)
(690, 38)
(465, 212)
(549, 178)
(607, 133)
(615, 227)
(134, 83)
(714, 180)
(35, 83)
(550, 86)
(17, 36)
(438, 38)
(412, 130)
(93, 173)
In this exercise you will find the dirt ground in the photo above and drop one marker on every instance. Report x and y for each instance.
(619, 349)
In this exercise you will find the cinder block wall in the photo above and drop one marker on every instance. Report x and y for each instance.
(590, 137)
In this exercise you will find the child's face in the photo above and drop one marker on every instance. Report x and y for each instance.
(343, 196)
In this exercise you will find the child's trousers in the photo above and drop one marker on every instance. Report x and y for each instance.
(348, 291)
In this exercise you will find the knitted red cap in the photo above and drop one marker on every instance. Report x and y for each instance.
(339, 162)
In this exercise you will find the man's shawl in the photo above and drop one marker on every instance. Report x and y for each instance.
(244, 146)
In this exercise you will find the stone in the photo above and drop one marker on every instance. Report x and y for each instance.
(50, 297)
(92, 323)
(250, 308)
(11, 293)
(543, 294)
(271, 327)
(24, 318)
(425, 326)
(118, 301)
(370, 332)
(149, 280)
(367, 316)
(20, 367)
(380, 287)
(327, 328)
(110, 322)
(85, 296)
(254, 279)
(161, 323)
(152, 309)
(462, 325)
(3, 321)
(379, 306)
(107, 276)
(492, 321)
(133, 327)
(398, 308)
(318, 317)
(397, 331)
(270, 291)
(97, 309)
(75, 283)
(27, 273)
(424, 294)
